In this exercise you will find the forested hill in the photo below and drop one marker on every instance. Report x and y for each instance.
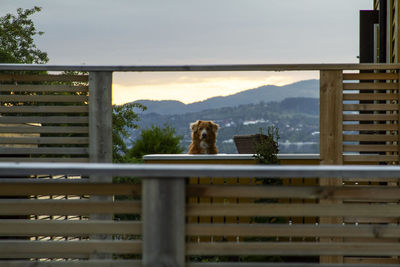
(268, 93)
(297, 120)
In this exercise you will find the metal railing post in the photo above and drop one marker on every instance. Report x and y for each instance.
(163, 218)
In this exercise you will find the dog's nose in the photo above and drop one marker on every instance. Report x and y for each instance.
(203, 135)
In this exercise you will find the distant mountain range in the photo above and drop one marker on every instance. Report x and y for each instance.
(293, 108)
(296, 118)
(268, 93)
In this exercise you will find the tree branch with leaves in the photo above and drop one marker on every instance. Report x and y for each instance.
(17, 34)
(124, 118)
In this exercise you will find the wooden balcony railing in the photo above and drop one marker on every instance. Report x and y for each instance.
(150, 222)
(358, 109)
(325, 215)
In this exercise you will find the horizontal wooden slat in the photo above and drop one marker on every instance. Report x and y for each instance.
(373, 181)
(67, 207)
(371, 127)
(370, 261)
(43, 88)
(377, 241)
(44, 159)
(298, 210)
(44, 129)
(362, 221)
(44, 119)
(43, 150)
(370, 117)
(370, 96)
(43, 98)
(370, 158)
(370, 76)
(303, 192)
(11, 227)
(43, 78)
(367, 262)
(370, 107)
(62, 249)
(188, 68)
(293, 248)
(293, 192)
(45, 109)
(370, 137)
(69, 263)
(370, 86)
(293, 230)
(27, 189)
(44, 140)
(267, 264)
(370, 148)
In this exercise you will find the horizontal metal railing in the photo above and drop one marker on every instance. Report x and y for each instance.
(200, 170)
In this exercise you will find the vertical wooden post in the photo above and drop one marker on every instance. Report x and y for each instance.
(331, 117)
(100, 136)
(163, 217)
(331, 139)
(100, 119)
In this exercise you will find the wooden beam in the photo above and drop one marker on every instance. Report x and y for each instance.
(163, 222)
(331, 87)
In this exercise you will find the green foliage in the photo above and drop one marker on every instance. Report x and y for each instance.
(156, 140)
(17, 34)
(267, 148)
(124, 119)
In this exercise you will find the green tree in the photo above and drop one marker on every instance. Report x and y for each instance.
(156, 140)
(17, 34)
(124, 119)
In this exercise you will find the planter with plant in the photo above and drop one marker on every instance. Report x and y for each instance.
(266, 151)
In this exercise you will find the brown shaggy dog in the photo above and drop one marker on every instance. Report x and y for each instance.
(204, 137)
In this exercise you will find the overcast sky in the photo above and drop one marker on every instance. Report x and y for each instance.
(166, 32)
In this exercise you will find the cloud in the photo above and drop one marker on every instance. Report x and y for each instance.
(197, 32)
(159, 32)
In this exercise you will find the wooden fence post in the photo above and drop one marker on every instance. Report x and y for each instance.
(331, 117)
(100, 120)
(163, 218)
(331, 136)
(100, 137)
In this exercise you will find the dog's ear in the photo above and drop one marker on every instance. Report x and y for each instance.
(214, 126)
(194, 125)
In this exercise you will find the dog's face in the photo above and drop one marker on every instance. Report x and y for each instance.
(204, 130)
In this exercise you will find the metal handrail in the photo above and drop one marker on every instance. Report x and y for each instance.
(200, 170)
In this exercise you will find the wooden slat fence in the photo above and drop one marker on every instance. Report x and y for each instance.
(371, 117)
(44, 117)
(362, 127)
(26, 239)
(47, 118)
(234, 242)
(343, 220)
